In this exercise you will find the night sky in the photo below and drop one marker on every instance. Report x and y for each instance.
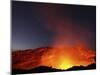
(37, 25)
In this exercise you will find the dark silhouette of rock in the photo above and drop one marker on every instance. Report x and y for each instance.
(91, 66)
(42, 69)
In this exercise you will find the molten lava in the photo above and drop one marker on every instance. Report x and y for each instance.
(58, 58)
(64, 58)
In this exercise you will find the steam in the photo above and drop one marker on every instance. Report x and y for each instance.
(66, 32)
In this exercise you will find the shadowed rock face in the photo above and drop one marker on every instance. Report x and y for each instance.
(27, 59)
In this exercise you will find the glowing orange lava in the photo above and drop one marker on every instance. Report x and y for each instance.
(64, 58)
(58, 58)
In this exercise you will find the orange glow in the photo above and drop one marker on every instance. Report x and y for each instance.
(59, 58)
(64, 64)
(64, 58)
